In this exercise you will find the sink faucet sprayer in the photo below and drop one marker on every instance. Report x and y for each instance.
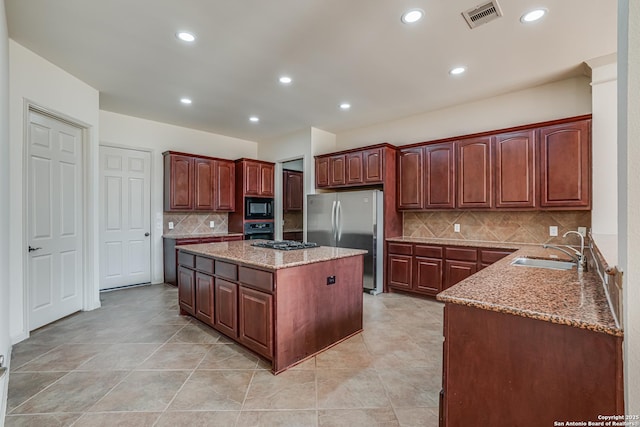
(577, 256)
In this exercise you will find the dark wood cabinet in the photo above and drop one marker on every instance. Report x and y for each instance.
(198, 183)
(293, 235)
(322, 172)
(224, 185)
(337, 171)
(439, 172)
(372, 160)
(354, 168)
(178, 179)
(292, 182)
(204, 304)
(474, 169)
(226, 307)
(186, 290)
(426, 269)
(565, 165)
(255, 329)
(257, 177)
(411, 179)
(515, 163)
(530, 372)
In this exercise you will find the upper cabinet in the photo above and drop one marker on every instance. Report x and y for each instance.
(565, 165)
(353, 167)
(257, 177)
(545, 166)
(292, 182)
(198, 183)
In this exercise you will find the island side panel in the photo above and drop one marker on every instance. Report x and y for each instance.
(311, 315)
(506, 370)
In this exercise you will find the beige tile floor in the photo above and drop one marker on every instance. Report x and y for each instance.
(136, 362)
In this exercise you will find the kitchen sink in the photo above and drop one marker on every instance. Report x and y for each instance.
(551, 264)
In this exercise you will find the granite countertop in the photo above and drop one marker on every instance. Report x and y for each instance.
(458, 242)
(200, 235)
(565, 297)
(273, 259)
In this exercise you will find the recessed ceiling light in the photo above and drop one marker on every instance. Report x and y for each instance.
(411, 16)
(254, 119)
(457, 70)
(533, 15)
(345, 106)
(285, 80)
(185, 101)
(185, 37)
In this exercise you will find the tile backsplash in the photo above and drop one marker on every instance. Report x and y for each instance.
(195, 223)
(516, 227)
(292, 221)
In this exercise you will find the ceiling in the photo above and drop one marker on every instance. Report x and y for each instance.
(355, 51)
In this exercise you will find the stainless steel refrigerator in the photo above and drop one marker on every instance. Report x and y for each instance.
(350, 219)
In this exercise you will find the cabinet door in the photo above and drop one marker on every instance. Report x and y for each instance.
(372, 160)
(474, 173)
(440, 177)
(204, 298)
(252, 184)
(186, 290)
(226, 307)
(428, 278)
(293, 194)
(179, 183)
(400, 271)
(354, 168)
(322, 172)
(204, 184)
(337, 174)
(266, 180)
(455, 271)
(515, 170)
(565, 165)
(410, 179)
(225, 186)
(256, 321)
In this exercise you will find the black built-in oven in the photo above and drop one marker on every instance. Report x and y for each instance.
(258, 208)
(258, 230)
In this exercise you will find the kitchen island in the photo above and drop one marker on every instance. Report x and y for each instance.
(286, 306)
(530, 346)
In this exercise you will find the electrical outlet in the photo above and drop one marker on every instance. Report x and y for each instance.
(553, 230)
(331, 280)
(456, 228)
(170, 225)
(211, 224)
(583, 231)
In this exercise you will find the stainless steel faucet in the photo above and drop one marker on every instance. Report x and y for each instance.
(577, 256)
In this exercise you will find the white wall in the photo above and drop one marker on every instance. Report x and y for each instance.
(629, 192)
(566, 98)
(36, 80)
(131, 132)
(5, 343)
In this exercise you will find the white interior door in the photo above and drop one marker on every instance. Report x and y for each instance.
(55, 221)
(125, 217)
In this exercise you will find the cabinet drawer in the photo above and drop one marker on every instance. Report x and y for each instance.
(188, 241)
(489, 256)
(204, 264)
(188, 260)
(258, 279)
(226, 270)
(428, 251)
(400, 248)
(462, 254)
(210, 239)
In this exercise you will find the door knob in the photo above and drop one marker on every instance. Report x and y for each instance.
(33, 249)
(146, 234)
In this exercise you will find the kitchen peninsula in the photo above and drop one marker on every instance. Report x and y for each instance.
(284, 305)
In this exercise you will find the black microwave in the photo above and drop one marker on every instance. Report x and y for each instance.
(258, 208)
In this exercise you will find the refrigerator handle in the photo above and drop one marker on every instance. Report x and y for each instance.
(339, 220)
(333, 219)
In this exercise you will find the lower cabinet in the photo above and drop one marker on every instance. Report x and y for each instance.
(226, 313)
(187, 290)
(256, 320)
(429, 269)
(204, 298)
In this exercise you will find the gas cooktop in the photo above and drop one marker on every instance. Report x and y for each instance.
(285, 245)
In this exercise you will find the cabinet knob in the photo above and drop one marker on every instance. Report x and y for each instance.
(146, 234)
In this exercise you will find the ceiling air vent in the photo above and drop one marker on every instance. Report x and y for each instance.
(482, 14)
